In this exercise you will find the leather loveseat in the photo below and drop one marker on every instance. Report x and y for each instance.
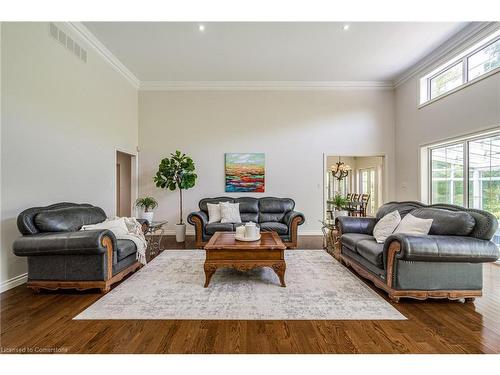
(270, 214)
(446, 263)
(60, 256)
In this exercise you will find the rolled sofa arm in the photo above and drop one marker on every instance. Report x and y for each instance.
(352, 224)
(442, 249)
(64, 243)
(200, 215)
(291, 215)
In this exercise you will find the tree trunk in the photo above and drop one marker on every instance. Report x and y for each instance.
(180, 204)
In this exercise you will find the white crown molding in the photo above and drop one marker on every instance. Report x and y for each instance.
(459, 42)
(106, 54)
(260, 85)
(13, 282)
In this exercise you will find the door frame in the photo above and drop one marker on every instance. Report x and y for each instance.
(383, 198)
(134, 176)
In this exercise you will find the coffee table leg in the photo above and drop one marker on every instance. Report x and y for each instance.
(279, 269)
(209, 271)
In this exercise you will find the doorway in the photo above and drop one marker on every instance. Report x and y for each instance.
(364, 175)
(124, 183)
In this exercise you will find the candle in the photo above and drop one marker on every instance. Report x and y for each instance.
(240, 231)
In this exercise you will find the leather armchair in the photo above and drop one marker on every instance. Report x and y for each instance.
(446, 263)
(61, 256)
(270, 214)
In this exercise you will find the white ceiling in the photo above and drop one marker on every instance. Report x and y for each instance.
(260, 51)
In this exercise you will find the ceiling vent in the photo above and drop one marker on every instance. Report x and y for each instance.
(66, 41)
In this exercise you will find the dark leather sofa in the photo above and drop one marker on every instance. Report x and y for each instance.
(60, 256)
(447, 263)
(271, 214)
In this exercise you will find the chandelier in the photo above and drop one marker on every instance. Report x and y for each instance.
(340, 170)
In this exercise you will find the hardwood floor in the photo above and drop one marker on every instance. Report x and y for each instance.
(43, 323)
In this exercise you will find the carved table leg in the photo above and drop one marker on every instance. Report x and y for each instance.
(279, 269)
(209, 271)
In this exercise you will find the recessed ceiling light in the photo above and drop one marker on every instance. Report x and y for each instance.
(201, 27)
(345, 27)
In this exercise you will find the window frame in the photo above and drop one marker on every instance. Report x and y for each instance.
(493, 41)
(448, 67)
(465, 150)
(460, 58)
(465, 143)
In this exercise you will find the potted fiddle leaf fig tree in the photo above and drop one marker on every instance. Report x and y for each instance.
(177, 172)
(148, 204)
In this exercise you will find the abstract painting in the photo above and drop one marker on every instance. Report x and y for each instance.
(245, 173)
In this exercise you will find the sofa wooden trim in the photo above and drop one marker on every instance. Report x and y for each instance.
(198, 224)
(103, 285)
(292, 244)
(396, 294)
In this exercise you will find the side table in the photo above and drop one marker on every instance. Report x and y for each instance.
(331, 238)
(154, 234)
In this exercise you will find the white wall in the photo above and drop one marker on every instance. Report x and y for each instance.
(62, 120)
(472, 109)
(293, 128)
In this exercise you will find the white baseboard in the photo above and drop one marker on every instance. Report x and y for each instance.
(13, 282)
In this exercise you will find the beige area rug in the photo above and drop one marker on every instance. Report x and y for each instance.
(171, 287)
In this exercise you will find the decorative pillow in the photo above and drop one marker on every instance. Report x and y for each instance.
(230, 212)
(386, 226)
(213, 213)
(117, 226)
(414, 226)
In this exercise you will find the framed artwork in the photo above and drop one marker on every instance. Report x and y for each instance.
(245, 173)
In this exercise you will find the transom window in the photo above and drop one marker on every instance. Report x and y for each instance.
(475, 62)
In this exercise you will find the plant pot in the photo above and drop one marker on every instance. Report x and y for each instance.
(148, 216)
(341, 213)
(180, 232)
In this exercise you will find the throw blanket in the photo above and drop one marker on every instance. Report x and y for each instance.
(125, 228)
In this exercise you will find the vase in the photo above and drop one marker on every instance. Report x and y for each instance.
(148, 215)
(180, 232)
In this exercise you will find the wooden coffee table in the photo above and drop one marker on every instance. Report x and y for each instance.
(223, 250)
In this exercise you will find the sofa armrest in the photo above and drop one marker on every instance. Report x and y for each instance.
(351, 224)
(65, 243)
(199, 215)
(442, 249)
(291, 215)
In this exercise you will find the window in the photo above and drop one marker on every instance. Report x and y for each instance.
(447, 165)
(367, 185)
(447, 80)
(484, 61)
(467, 173)
(484, 176)
(480, 59)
